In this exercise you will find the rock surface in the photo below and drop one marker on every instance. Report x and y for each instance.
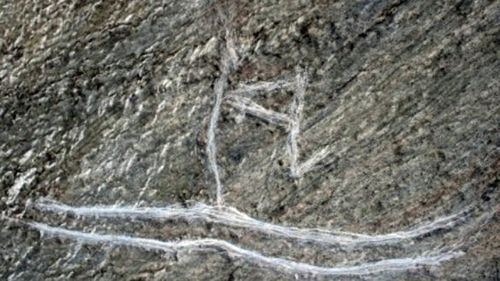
(109, 103)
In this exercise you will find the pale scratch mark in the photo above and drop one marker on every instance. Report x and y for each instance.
(288, 266)
(219, 87)
(251, 89)
(291, 121)
(229, 61)
(231, 53)
(248, 106)
(262, 86)
(297, 169)
(231, 49)
(294, 128)
(234, 218)
(310, 163)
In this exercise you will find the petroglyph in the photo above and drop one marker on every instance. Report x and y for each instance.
(232, 217)
(241, 99)
(248, 106)
(289, 266)
(265, 86)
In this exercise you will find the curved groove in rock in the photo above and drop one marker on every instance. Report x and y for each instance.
(232, 217)
(289, 266)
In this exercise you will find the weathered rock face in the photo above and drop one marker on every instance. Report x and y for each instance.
(111, 102)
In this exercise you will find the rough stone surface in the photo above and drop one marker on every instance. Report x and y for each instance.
(108, 102)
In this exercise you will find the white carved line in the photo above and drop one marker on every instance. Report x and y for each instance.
(289, 266)
(248, 106)
(232, 217)
(294, 129)
(291, 121)
(211, 146)
(228, 62)
(219, 87)
(231, 53)
(310, 163)
(264, 86)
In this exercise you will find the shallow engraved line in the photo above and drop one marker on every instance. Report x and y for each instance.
(262, 86)
(232, 217)
(292, 124)
(295, 115)
(317, 156)
(248, 106)
(229, 61)
(219, 87)
(398, 264)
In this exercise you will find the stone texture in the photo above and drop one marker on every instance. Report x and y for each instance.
(108, 102)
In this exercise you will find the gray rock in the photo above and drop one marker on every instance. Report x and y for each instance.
(109, 103)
